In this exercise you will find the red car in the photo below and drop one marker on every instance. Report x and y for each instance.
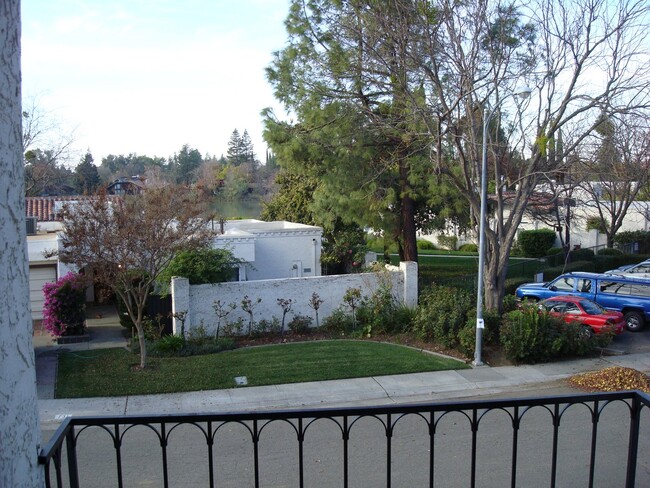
(587, 312)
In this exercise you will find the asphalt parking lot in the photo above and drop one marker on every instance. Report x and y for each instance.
(632, 342)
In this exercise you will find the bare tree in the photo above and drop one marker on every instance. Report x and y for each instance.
(616, 170)
(128, 242)
(20, 435)
(46, 146)
(479, 53)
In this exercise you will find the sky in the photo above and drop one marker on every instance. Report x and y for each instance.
(148, 76)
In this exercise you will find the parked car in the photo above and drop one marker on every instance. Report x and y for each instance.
(630, 296)
(594, 318)
(639, 270)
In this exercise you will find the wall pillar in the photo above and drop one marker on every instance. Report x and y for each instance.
(180, 290)
(409, 270)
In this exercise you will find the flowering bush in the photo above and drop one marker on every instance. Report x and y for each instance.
(64, 310)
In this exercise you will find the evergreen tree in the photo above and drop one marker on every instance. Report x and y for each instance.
(240, 150)
(86, 176)
(233, 155)
(186, 163)
(247, 150)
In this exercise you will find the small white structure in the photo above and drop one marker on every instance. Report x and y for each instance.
(272, 250)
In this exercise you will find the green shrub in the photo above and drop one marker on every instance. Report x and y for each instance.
(442, 313)
(266, 326)
(515, 250)
(468, 247)
(300, 324)
(510, 302)
(426, 245)
(609, 251)
(467, 335)
(123, 314)
(199, 267)
(401, 319)
(529, 336)
(233, 328)
(198, 335)
(152, 330)
(595, 223)
(339, 322)
(554, 250)
(467, 339)
(641, 237)
(169, 344)
(448, 242)
(535, 243)
(582, 254)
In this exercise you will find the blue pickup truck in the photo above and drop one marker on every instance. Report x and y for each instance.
(631, 296)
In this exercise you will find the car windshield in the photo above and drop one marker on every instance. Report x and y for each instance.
(591, 308)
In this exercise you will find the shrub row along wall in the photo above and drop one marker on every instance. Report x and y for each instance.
(197, 300)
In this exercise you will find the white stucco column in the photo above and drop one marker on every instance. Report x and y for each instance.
(20, 433)
(180, 290)
(409, 270)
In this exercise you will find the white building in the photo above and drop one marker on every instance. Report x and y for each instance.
(273, 250)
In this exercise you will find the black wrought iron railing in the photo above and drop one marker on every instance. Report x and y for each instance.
(585, 440)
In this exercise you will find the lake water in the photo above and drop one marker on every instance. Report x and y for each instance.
(238, 209)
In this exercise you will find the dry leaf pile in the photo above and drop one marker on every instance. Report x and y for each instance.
(612, 379)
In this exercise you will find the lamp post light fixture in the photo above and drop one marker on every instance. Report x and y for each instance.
(480, 323)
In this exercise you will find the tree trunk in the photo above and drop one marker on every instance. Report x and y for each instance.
(407, 208)
(143, 345)
(19, 419)
(497, 254)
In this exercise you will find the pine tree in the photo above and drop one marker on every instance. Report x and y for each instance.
(246, 148)
(86, 176)
(233, 155)
(240, 149)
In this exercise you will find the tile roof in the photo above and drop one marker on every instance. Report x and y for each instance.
(45, 208)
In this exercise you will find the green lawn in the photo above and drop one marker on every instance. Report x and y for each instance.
(107, 372)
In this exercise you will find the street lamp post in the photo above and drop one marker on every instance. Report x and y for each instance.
(480, 323)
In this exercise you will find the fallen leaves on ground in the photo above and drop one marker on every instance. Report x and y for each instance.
(612, 379)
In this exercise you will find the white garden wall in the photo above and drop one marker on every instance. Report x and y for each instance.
(197, 300)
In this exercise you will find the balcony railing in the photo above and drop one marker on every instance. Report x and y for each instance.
(577, 440)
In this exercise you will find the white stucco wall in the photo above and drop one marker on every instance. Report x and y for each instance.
(273, 249)
(198, 299)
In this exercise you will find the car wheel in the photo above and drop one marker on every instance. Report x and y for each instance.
(634, 321)
(586, 332)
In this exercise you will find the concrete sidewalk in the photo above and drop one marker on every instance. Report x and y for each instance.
(407, 388)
